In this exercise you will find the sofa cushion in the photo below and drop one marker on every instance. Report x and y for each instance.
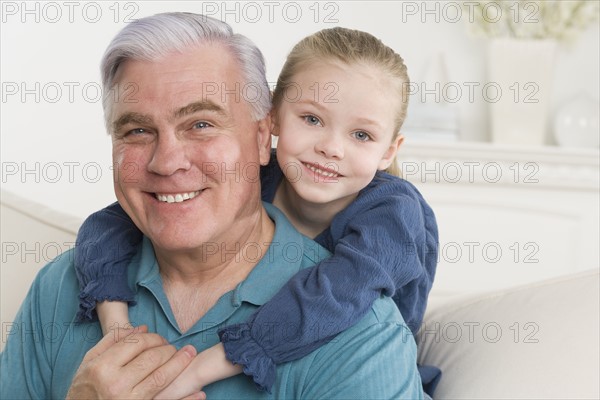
(535, 341)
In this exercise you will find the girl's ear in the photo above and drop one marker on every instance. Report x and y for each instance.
(264, 139)
(390, 154)
(274, 127)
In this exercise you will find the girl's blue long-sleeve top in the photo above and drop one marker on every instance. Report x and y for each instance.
(384, 242)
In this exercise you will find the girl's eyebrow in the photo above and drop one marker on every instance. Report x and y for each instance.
(311, 103)
(367, 121)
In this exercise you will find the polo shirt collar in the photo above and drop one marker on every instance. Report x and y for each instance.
(282, 260)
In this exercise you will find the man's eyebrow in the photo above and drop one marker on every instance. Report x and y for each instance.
(142, 119)
(203, 105)
(131, 118)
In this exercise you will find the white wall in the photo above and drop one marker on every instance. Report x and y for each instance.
(53, 146)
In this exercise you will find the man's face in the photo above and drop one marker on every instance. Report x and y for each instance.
(186, 149)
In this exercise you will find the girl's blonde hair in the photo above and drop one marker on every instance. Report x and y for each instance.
(348, 46)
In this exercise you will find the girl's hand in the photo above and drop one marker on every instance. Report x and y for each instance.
(187, 385)
(207, 367)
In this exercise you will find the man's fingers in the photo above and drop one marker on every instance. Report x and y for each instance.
(143, 364)
(98, 349)
(161, 377)
(119, 334)
(110, 339)
(131, 346)
(147, 364)
(196, 396)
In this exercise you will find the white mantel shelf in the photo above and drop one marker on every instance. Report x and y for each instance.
(546, 166)
(541, 216)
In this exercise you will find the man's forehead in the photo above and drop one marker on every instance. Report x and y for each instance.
(211, 61)
(202, 78)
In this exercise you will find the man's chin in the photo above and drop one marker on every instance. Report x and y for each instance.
(174, 241)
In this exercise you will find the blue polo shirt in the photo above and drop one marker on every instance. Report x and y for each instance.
(374, 359)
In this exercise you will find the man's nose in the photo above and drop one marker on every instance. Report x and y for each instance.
(330, 146)
(169, 155)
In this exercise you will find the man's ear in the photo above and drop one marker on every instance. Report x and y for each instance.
(264, 139)
(390, 153)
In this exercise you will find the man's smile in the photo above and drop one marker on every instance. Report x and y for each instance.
(176, 197)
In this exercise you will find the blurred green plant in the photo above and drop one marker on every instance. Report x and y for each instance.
(561, 20)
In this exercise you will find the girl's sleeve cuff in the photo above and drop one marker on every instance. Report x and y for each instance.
(241, 348)
(111, 287)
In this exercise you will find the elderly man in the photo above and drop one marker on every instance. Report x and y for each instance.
(187, 110)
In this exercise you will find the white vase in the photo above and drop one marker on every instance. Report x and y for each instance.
(577, 122)
(519, 89)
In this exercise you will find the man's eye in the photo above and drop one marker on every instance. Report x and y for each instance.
(202, 125)
(361, 135)
(137, 131)
(311, 120)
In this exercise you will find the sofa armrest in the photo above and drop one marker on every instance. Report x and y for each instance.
(32, 235)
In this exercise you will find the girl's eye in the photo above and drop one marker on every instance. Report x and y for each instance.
(311, 120)
(361, 135)
(202, 125)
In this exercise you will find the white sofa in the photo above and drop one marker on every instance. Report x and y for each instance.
(498, 327)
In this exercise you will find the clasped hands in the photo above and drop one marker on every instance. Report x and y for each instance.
(130, 364)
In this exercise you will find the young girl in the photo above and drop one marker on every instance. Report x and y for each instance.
(338, 106)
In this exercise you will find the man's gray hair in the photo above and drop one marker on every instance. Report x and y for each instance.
(153, 37)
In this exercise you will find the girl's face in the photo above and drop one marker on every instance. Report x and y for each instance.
(335, 127)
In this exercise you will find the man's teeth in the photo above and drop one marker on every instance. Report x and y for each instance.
(321, 172)
(177, 198)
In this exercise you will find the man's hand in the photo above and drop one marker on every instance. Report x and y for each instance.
(131, 364)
